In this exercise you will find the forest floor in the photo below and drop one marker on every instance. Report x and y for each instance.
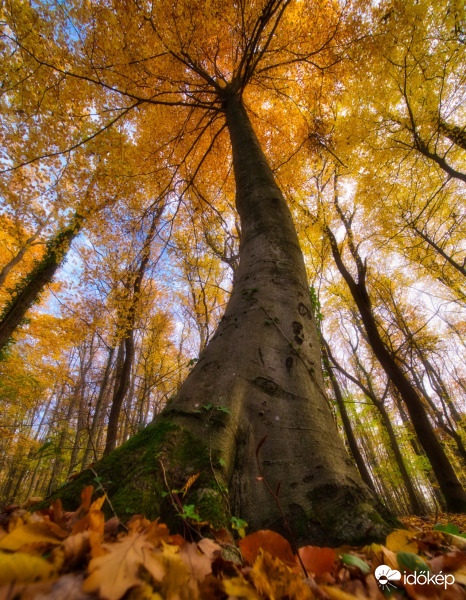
(56, 555)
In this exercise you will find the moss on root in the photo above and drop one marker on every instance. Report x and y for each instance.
(349, 515)
(139, 476)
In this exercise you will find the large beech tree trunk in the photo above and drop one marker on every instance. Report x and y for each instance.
(260, 375)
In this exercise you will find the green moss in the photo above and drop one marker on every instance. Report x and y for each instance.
(349, 515)
(212, 507)
(140, 476)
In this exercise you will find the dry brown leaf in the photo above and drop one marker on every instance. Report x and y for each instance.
(93, 521)
(209, 548)
(389, 558)
(28, 591)
(317, 560)
(198, 564)
(74, 549)
(113, 574)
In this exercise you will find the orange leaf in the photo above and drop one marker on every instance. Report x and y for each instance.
(317, 560)
(86, 497)
(267, 540)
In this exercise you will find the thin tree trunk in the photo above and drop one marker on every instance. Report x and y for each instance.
(352, 443)
(454, 493)
(29, 289)
(17, 258)
(98, 413)
(128, 340)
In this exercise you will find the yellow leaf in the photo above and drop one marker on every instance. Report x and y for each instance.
(114, 573)
(30, 533)
(177, 583)
(237, 587)
(337, 594)
(274, 580)
(189, 483)
(23, 568)
(402, 540)
(460, 576)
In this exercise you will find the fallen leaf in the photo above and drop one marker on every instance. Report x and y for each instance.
(21, 567)
(68, 587)
(317, 560)
(454, 540)
(402, 540)
(30, 533)
(113, 574)
(389, 558)
(93, 521)
(239, 588)
(338, 594)
(73, 550)
(198, 564)
(209, 548)
(460, 576)
(270, 542)
(274, 580)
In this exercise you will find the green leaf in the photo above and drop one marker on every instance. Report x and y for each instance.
(207, 406)
(450, 528)
(412, 562)
(189, 512)
(355, 561)
(239, 525)
(222, 462)
(223, 409)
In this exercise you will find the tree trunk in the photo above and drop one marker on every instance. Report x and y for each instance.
(352, 443)
(18, 257)
(124, 376)
(258, 382)
(32, 285)
(99, 406)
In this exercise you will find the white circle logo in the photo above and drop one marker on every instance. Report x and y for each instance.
(385, 576)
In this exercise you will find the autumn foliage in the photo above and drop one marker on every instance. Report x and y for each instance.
(78, 555)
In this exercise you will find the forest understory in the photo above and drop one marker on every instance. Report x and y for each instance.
(54, 554)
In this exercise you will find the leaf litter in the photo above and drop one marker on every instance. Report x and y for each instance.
(53, 555)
